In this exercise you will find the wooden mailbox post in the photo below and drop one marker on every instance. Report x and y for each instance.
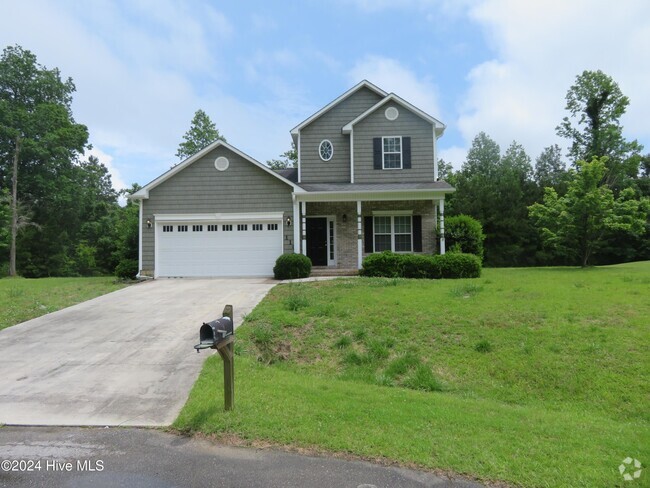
(220, 335)
(226, 350)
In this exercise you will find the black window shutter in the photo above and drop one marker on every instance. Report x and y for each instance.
(417, 233)
(368, 235)
(406, 152)
(376, 152)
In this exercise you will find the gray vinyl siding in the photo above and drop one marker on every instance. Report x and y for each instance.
(200, 188)
(328, 126)
(407, 125)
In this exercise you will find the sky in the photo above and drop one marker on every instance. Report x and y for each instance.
(258, 68)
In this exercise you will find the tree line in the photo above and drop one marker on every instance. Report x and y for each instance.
(591, 207)
(59, 214)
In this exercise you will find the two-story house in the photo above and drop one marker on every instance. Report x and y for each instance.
(366, 181)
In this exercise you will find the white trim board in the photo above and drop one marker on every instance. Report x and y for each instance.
(351, 91)
(144, 191)
(220, 217)
(438, 126)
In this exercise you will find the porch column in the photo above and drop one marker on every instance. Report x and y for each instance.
(303, 226)
(359, 236)
(442, 226)
(296, 226)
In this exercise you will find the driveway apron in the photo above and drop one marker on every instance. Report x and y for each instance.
(125, 358)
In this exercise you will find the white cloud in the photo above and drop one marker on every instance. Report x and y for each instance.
(107, 160)
(455, 155)
(389, 75)
(541, 47)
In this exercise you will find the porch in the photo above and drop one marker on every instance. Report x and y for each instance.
(336, 231)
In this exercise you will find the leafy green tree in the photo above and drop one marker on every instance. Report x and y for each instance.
(575, 225)
(497, 191)
(445, 170)
(288, 159)
(202, 133)
(37, 129)
(126, 229)
(596, 104)
(550, 170)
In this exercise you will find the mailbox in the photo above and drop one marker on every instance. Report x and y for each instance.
(213, 333)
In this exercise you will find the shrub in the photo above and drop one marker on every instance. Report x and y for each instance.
(417, 266)
(292, 266)
(458, 265)
(384, 264)
(451, 265)
(464, 234)
(127, 269)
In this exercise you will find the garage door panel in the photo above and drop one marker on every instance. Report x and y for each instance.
(218, 253)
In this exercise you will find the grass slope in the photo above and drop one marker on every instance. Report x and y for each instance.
(23, 299)
(537, 377)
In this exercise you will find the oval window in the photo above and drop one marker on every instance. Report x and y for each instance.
(326, 150)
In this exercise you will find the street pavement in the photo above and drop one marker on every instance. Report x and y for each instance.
(151, 458)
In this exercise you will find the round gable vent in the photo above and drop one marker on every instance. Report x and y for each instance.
(391, 113)
(221, 163)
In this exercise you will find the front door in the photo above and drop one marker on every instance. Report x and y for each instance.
(317, 240)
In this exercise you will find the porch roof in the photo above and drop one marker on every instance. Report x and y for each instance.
(342, 192)
(375, 187)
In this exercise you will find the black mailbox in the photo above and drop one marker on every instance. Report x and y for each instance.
(212, 333)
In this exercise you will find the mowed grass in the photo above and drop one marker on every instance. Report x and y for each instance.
(536, 377)
(23, 299)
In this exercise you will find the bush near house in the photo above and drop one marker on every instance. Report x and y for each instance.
(127, 269)
(451, 265)
(464, 234)
(292, 266)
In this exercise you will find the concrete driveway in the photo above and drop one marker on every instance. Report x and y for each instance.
(125, 358)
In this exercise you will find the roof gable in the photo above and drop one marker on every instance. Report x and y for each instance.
(326, 108)
(438, 126)
(143, 192)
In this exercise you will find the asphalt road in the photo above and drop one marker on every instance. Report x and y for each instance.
(148, 458)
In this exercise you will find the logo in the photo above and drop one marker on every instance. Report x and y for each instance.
(626, 467)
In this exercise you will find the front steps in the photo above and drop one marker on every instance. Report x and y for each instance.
(319, 271)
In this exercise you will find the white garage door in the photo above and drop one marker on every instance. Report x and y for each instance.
(217, 248)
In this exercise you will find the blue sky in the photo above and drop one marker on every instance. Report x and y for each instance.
(258, 68)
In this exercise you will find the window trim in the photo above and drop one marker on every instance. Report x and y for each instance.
(320, 146)
(392, 230)
(383, 153)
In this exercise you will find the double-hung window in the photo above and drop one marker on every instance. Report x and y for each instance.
(392, 152)
(393, 233)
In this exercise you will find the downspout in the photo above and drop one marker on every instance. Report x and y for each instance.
(139, 275)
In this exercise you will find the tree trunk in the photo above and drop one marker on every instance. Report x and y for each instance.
(14, 209)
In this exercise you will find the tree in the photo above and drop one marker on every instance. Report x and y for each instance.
(496, 191)
(445, 170)
(575, 225)
(288, 159)
(596, 104)
(202, 133)
(5, 218)
(550, 170)
(36, 125)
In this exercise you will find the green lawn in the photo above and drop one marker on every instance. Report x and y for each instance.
(537, 377)
(23, 299)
